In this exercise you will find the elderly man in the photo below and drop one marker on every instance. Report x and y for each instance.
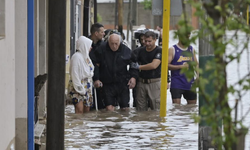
(112, 59)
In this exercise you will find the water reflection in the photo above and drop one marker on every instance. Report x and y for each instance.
(132, 129)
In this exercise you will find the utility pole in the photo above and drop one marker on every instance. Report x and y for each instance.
(116, 14)
(206, 54)
(133, 22)
(120, 16)
(164, 65)
(134, 12)
(95, 11)
(128, 20)
(56, 74)
(86, 18)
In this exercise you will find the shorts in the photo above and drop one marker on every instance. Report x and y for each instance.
(76, 97)
(187, 94)
(116, 93)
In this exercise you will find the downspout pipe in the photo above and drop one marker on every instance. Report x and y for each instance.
(30, 40)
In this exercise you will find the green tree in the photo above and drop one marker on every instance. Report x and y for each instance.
(216, 17)
(147, 4)
(99, 18)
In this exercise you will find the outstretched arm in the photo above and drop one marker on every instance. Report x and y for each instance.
(151, 66)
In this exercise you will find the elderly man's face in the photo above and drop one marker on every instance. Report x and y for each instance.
(114, 42)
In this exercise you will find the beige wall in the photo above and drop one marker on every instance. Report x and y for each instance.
(7, 79)
(68, 40)
(21, 58)
(42, 54)
(21, 73)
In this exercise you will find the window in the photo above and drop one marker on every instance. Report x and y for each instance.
(2, 18)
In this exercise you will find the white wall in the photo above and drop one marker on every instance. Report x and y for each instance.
(21, 74)
(21, 58)
(7, 79)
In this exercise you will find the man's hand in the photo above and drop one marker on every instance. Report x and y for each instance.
(134, 65)
(98, 84)
(132, 83)
(185, 65)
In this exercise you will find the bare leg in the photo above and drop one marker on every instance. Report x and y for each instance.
(110, 108)
(125, 109)
(86, 109)
(191, 101)
(79, 108)
(177, 101)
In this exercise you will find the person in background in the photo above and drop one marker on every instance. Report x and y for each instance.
(81, 73)
(97, 34)
(179, 57)
(159, 28)
(112, 59)
(149, 82)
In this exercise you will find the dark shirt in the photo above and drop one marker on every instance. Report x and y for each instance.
(134, 54)
(145, 57)
(113, 65)
(92, 52)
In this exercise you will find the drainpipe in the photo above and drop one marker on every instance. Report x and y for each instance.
(30, 74)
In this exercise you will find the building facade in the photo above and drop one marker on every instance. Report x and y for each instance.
(143, 16)
(14, 63)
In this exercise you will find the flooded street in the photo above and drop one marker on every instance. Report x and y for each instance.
(132, 129)
(146, 130)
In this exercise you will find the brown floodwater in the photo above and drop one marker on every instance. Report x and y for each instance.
(132, 129)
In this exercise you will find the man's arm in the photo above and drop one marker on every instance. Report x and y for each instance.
(150, 66)
(171, 57)
(75, 77)
(97, 82)
(155, 63)
(98, 57)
